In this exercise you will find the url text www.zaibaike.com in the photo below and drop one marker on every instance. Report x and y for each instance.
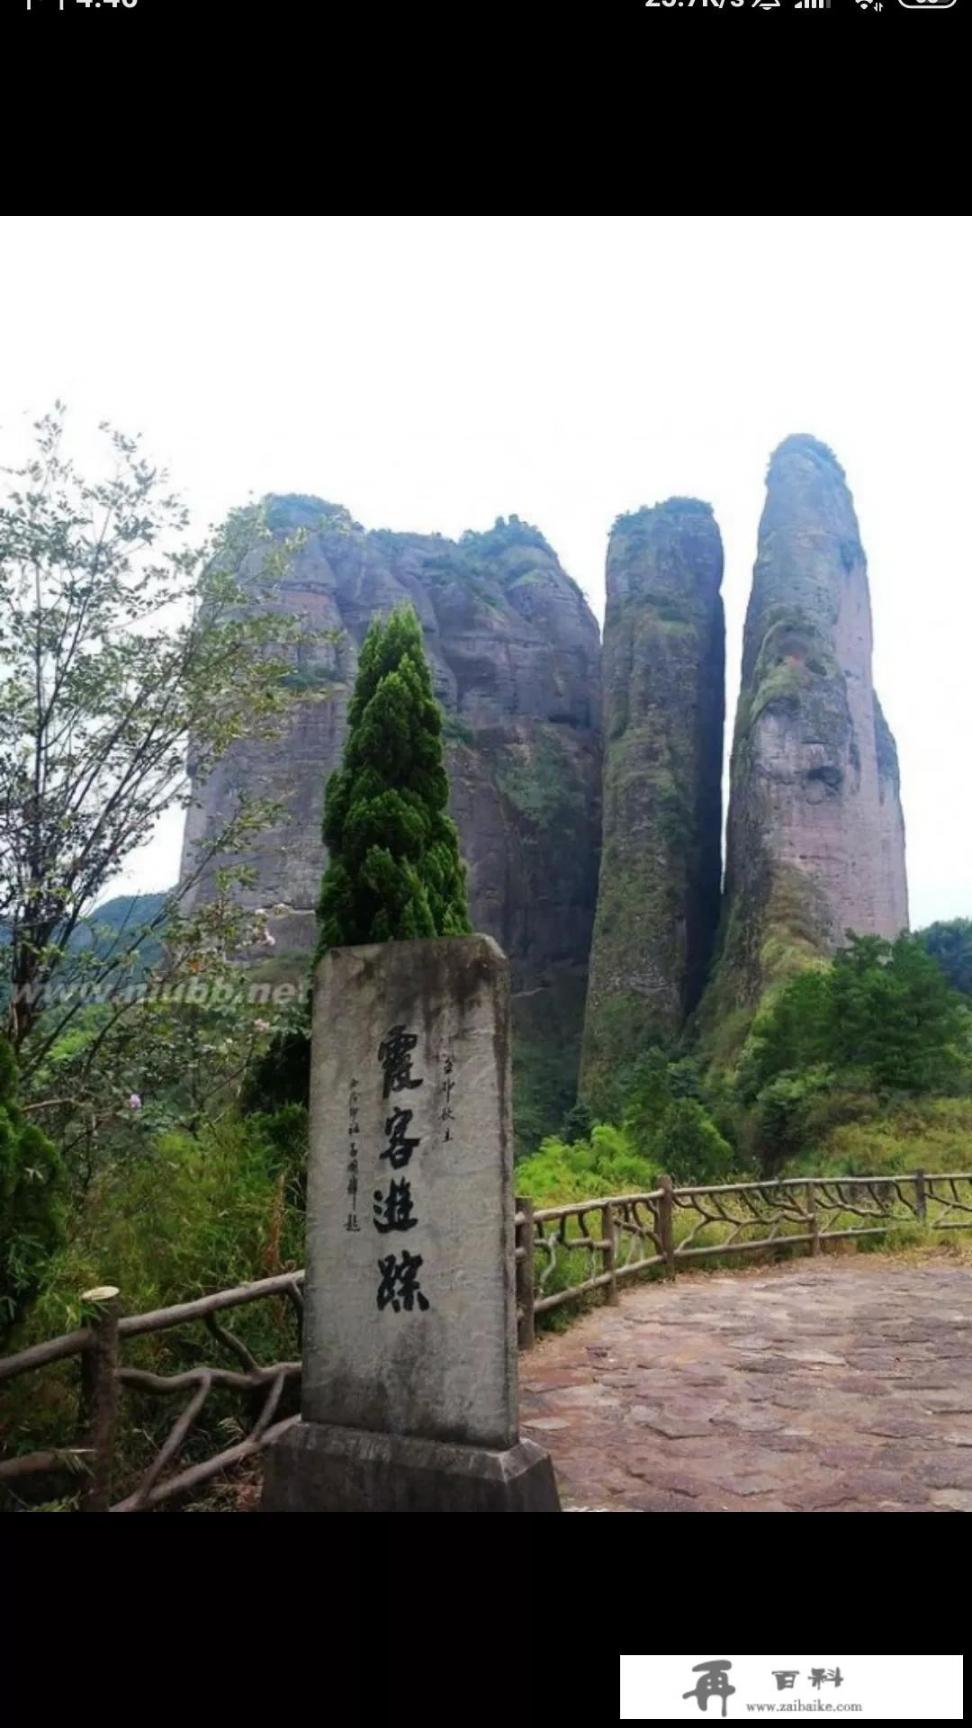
(813, 1704)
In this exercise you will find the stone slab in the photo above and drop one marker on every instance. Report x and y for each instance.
(410, 1083)
(314, 1468)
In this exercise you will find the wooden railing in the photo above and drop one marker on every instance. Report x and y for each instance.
(619, 1235)
(98, 1346)
(627, 1233)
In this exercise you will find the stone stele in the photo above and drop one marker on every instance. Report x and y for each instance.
(409, 1396)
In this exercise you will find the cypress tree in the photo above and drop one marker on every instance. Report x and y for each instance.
(394, 872)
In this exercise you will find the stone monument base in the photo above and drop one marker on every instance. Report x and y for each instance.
(314, 1467)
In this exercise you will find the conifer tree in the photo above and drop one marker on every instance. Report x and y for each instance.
(394, 871)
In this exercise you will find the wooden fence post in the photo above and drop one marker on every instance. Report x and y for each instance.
(665, 1210)
(920, 1201)
(99, 1397)
(609, 1235)
(524, 1276)
(814, 1225)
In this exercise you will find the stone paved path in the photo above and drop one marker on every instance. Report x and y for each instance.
(844, 1385)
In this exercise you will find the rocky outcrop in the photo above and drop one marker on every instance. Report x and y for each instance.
(815, 840)
(514, 652)
(658, 895)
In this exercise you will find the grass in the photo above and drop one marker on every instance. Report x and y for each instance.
(574, 1267)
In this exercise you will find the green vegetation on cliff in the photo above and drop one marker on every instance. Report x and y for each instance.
(32, 1198)
(859, 1063)
(950, 944)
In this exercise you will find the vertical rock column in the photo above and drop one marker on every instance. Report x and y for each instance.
(664, 700)
(816, 836)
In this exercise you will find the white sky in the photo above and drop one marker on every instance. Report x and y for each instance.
(435, 373)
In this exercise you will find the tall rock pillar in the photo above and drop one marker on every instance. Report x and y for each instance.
(658, 892)
(816, 836)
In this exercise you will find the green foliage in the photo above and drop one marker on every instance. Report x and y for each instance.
(689, 1145)
(647, 517)
(31, 1198)
(803, 444)
(128, 919)
(781, 1116)
(119, 645)
(882, 1010)
(871, 1137)
(950, 943)
(665, 1117)
(879, 1021)
(793, 1031)
(538, 778)
(279, 1076)
(505, 534)
(186, 1215)
(605, 1162)
(394, 870)
(455, 731)
(546, 1046)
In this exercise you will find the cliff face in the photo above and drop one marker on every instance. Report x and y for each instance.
(815, 834)
(514, 653)
(658, 895)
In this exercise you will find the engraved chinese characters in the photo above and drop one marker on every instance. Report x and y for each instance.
(354, 1130)
(399, 1287)
(410, 1321)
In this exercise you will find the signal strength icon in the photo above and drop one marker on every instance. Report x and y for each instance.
(810, 5)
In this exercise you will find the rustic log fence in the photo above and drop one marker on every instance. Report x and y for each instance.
(621, 1235)
(103, 1374)
(627, 1233)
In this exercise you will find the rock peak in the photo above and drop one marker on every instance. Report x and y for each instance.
(287, 511)
(630, 521)
(514, 651)
(815, 841)
(658, 893)
(804, 444)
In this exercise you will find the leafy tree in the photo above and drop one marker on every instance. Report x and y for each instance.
(120, 648)
(880, 1018)
(666, 1118)
(781, 1115)
(657, 1082)
(31, 1198)
(950, 943)
(689, 1146)
(394, 870)
(892, 1012)
(793, 1031)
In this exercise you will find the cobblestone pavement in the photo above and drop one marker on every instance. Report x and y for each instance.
(842, 1386)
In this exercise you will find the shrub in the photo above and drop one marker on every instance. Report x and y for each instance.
(31, 1198)
(690, 1147)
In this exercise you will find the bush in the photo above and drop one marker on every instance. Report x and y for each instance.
(604, 1163)
(690, 1147)
(32, 1186)
(189, 1215)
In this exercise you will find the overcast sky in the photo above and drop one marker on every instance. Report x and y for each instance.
(436, 373)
